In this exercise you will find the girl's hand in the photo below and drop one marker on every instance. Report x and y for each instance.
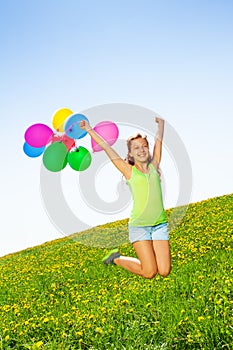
(84, 125)
(159, 120)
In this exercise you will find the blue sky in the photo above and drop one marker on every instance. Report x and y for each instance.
(174, 57)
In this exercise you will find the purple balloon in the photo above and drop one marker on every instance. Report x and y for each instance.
(38, 135)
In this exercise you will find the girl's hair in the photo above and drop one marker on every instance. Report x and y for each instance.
(130, 159)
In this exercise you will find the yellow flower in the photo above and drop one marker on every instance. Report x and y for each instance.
(39, 344)
(200, 318)
(7, 337)
(189, 339)
(99, 330)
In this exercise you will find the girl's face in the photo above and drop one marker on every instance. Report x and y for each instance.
(139, 150)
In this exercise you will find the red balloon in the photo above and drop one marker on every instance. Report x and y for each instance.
(68, 142)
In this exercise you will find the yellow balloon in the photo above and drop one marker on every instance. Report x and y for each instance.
(59, 118)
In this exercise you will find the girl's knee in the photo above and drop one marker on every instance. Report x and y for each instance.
(149, 274)
(164, 272)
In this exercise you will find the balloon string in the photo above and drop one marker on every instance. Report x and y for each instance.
(70, 128)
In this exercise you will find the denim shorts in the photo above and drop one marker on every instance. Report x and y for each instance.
(149, 233)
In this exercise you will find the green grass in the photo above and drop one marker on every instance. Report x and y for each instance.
(60, 296)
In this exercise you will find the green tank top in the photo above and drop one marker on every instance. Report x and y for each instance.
(146, 190)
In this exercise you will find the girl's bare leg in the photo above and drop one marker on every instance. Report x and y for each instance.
(163, 257)
(145, 265)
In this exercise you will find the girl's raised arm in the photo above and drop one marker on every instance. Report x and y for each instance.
(119, 163)
(157, 152)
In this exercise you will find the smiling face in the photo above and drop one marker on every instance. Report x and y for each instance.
(139, 150)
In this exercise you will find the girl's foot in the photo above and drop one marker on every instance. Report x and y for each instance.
(109, 259)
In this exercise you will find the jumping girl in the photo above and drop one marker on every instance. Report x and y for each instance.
(148, 231)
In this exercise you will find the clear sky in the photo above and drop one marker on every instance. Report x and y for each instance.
(173, 57)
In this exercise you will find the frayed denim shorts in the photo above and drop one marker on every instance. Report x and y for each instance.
(149, 233)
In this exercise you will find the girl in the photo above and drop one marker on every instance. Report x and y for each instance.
(148, 230)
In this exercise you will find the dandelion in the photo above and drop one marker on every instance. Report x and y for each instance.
(39, 344)
(200, 318)
(99, 330)
(198, 335)
(80, 333)
(189, 339)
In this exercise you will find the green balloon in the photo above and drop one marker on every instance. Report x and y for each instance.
(55, 156)
(80, 159)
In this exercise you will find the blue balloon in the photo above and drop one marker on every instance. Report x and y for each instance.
(32, 151)
(72, 128)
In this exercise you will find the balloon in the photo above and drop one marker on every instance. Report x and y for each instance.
(108, 131)
(68, 142)
(38, 135)
(55, 156)
(32, 151)
(72, 128)
(79, 159)
(59, 118)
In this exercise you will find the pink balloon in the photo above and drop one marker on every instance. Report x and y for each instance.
(108, 131)
(38, 135)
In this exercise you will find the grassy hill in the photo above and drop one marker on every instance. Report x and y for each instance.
(59, 296)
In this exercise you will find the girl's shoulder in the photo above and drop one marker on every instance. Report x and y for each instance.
(154, 164)
(128, 171)
(156, 167)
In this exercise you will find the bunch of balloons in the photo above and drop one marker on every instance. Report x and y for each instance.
(59, 147)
